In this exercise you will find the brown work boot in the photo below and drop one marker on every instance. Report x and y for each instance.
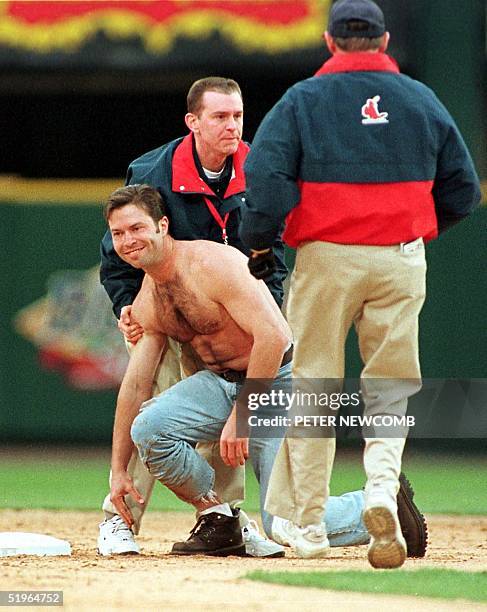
(413, 524)
(214, 534)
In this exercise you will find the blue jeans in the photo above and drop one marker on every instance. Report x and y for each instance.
(169, 426)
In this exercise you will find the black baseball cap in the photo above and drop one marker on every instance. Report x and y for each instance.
(367, 11)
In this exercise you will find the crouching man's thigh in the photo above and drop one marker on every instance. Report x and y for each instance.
(194, 410)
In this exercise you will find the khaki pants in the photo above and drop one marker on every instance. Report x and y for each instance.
(381, 291)
(229, 482)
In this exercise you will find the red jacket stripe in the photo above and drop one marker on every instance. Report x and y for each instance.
(326, 210)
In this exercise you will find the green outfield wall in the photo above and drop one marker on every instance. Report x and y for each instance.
(40, 239)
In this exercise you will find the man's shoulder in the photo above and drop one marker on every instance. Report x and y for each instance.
(304, 91)
(424, 98)
(415, 86)
(210, 249)
(210, 259)
(143, 309)
(409, 88)
(141, 168)
(299, 87)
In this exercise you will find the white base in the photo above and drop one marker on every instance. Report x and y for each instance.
(19, 543)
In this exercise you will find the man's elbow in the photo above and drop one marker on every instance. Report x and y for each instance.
(279, 340)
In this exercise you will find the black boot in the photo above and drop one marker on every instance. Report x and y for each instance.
(413, 524)
(214, 534)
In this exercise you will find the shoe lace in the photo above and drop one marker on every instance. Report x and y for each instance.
(119, 525)
(252, 526)
(314, 532)
(289, 528)
(251, 530)
(202, 526)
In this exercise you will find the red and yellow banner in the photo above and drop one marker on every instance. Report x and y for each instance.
(269, 26)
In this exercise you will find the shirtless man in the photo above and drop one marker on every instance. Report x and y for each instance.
(200, 293)
(197, 292)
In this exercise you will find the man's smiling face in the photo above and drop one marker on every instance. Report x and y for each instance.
(137, 238)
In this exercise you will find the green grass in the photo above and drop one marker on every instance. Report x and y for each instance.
(78, 486)
(443, 484)
(441, 583)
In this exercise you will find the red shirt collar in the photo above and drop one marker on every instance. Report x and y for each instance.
(185, 177)
(359, 62)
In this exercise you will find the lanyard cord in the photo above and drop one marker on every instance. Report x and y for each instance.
(216, 215)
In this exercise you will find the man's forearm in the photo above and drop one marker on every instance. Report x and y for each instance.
(266, 356)
(127, 410)
(122, 445)
(136, 388)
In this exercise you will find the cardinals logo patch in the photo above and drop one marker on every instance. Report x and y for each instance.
(371, 113)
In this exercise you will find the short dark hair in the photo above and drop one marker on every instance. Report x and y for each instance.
(199, 88)
(358, 43)
(143, 196)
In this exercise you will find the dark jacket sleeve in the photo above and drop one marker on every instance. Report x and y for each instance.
(121, 281)
(275, 282)
(272, 173)
(456, 189)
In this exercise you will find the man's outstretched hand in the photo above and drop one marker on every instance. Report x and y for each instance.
(262, 264)
(122, 485)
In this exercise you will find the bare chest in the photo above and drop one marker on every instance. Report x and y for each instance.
(182, 313)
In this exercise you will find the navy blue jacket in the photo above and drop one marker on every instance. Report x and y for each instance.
(357, 154)
(172, 170)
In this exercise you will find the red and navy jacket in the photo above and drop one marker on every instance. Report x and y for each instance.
(172, 170)
(357, 154)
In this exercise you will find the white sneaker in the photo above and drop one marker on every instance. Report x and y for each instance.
(387, 548)
(258, 546)
(308, 542)
(116, 538)
(280, 531)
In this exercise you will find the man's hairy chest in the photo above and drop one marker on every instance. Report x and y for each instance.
(182, 312)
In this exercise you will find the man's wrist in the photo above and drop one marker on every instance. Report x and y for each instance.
(118, 470)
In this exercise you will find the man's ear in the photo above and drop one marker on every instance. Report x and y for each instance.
(163, 225)
(191, 121)
(385, 42)
(330, 43)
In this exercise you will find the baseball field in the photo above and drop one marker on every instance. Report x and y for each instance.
(58, 491)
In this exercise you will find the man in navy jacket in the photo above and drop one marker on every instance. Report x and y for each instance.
(364, 165)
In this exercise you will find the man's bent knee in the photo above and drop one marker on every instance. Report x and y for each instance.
(145, 429)
(156, 450)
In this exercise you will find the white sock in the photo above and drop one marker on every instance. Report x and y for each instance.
(220, 508)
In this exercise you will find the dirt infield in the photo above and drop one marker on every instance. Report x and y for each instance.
(157, 581)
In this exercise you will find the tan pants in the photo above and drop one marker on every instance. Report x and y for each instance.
(381, 291)
(229, 482)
